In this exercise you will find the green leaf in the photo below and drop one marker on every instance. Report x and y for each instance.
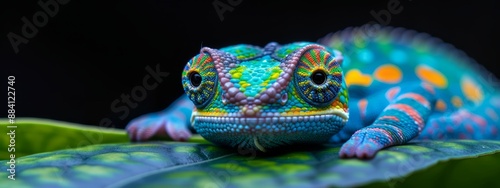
(204, 165)
(470, 172)
(35, 135)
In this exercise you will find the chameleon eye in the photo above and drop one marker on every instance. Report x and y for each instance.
(199, 79)
(318, 77)
(195, 79)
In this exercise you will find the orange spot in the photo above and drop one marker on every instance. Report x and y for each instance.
(456, 101)
(362, 107)
(471, 89)
(355, 77)
(417, 97)
(391, 93)
(440, 105)
(432, 76)
(388, 74)
(428, 87)
(393, 118)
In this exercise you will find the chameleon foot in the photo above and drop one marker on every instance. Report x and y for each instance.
(364, 144)
(148, 126)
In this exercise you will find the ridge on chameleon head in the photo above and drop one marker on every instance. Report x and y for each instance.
(262, 98)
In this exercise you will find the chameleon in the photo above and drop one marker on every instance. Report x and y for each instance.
(367, 88)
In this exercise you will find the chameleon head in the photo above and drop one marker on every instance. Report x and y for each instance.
(247, 96)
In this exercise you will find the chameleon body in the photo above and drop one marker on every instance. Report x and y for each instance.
(369, 88)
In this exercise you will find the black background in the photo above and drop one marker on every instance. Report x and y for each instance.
(91, 52)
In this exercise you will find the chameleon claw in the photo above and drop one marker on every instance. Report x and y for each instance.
(361, 145)
(367, 151)
(348, 149)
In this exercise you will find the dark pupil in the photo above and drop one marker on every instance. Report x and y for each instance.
(318, 77)
(195, 79)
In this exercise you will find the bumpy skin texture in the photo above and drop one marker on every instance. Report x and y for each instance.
(367, 87)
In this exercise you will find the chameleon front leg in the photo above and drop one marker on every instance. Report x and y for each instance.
(172, 122)
(364, 112)
(400, 121)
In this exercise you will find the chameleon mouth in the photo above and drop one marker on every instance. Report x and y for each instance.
(264, 120)
(269, 132)
(270, 119)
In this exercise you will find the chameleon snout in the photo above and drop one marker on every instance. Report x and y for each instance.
(254, 109)
(250, 110)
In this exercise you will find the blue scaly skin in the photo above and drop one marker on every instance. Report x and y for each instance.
(366, 87)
